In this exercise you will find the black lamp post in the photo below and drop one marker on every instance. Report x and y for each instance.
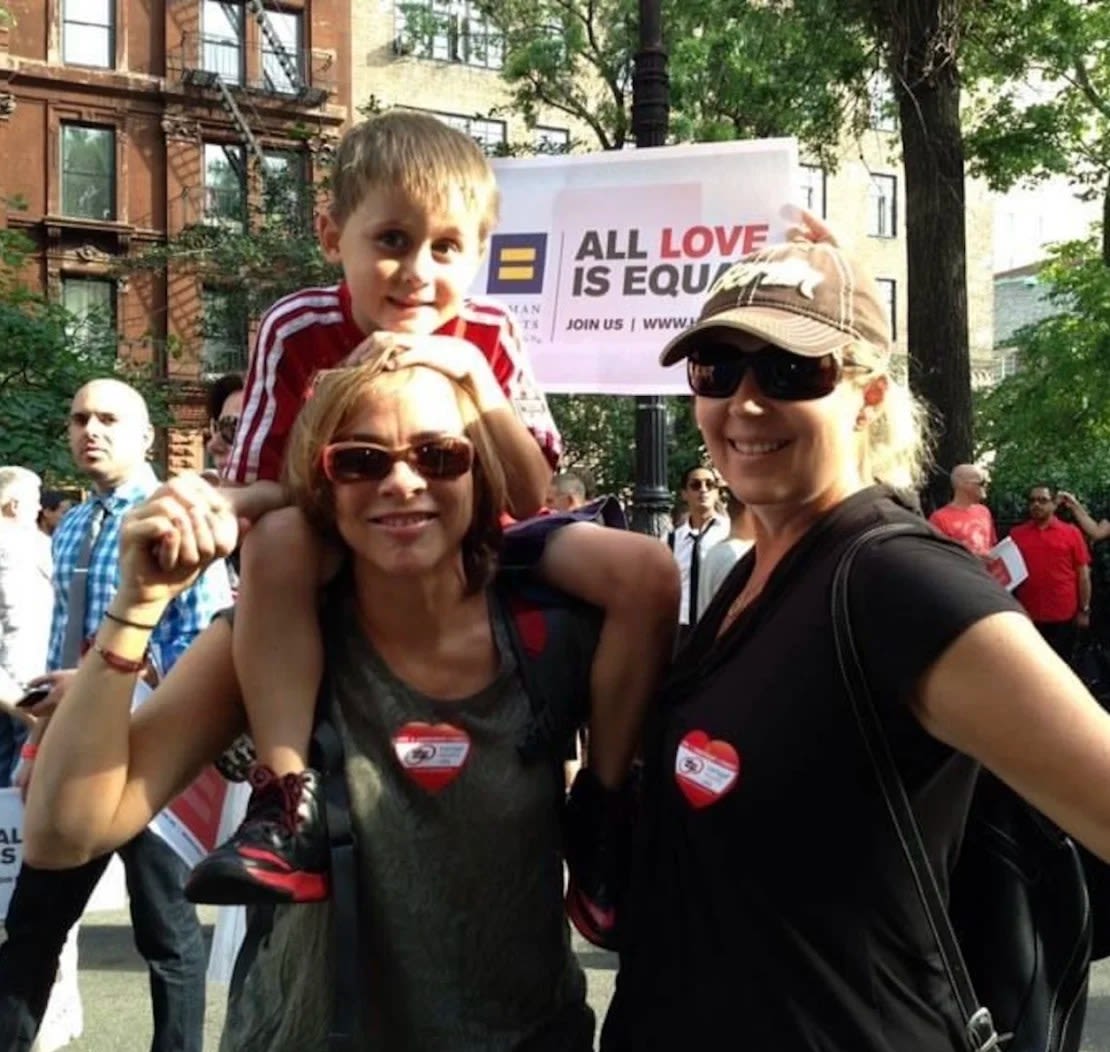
(651, 498)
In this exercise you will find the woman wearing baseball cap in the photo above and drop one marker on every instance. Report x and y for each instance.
(771, 906)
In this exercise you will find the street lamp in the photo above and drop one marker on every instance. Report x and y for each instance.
(651, 498)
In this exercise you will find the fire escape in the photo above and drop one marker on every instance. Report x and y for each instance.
(196, 70)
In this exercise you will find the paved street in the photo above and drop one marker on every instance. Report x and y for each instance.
(114, 989)
(117, 1018)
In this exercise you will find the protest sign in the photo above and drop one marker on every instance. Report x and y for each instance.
(603, 257)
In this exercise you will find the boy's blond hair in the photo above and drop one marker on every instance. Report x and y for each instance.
(419, 156)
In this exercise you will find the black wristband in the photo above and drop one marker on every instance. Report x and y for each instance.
(130, 624)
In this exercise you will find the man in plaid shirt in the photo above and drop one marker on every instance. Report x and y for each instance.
(110, 436)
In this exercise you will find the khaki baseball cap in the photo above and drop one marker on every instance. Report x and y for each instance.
(804, 297)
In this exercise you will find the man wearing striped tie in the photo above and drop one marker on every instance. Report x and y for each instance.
(110, 437)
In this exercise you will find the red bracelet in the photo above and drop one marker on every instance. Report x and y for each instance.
(29, 751)
(117, 663)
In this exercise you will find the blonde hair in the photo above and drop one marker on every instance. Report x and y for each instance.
(335, 397)
(895, 446)
(419, 156)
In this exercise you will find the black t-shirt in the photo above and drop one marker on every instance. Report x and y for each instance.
(771, 909)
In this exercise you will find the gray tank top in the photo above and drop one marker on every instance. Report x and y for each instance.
(461, 913)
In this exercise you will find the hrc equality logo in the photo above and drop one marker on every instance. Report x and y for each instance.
(516, 263)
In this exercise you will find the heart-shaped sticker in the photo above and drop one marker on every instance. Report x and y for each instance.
(705, 770)
(431, 754)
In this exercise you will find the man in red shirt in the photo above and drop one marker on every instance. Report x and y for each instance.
(966, 518)
(1057, 592)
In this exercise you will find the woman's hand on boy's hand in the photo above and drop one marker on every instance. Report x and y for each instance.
(170, 538)
(455, 357)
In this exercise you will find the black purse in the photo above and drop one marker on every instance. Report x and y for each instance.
(1018, 897)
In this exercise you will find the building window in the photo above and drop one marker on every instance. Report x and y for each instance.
(225, 184)
(882, 206)
(813, 189)
(882, 110)
(287, 28)
(888, 289)
(88, 33)
(550, 140)
(88, 172)
(222, 39)
(449, 30)
(489, 134)
(223, 334)
(285, 186)
(1009, 365)
(91, 303)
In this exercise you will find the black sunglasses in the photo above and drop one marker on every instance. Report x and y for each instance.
(449, 457)
(716, 370)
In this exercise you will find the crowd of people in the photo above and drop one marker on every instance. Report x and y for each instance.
(382, 477)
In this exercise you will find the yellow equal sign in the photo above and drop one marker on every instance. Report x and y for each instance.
(517, 264)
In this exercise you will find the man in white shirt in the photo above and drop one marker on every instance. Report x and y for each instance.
(26, 600)
(718, 564)
(704, 527)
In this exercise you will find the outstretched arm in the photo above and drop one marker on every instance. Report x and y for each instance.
(102, 774)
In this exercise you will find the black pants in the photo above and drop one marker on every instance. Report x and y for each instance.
(1060, 635)
(47, 903)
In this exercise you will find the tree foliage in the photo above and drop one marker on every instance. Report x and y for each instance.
(46, 354)
(599, 438)
(1043, 107)
(1050, 421)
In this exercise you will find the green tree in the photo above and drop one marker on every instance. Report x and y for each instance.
(1044, 107)
(252, 262)
(1051, 420)
(599, 435)
(46, 354)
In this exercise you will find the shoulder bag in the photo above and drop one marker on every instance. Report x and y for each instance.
(1018, 898)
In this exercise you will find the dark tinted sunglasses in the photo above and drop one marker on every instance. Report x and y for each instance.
(717, 370)
(226, 427)
(449, 457)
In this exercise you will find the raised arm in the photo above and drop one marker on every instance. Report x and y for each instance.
(1000, 694)
(102, 773)
(1097, 531)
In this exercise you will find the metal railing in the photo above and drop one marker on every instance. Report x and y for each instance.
(200, 59)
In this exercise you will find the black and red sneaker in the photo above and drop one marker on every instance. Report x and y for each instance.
(596, 832)
(280, 852)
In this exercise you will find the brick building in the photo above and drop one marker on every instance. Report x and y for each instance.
(122, 122)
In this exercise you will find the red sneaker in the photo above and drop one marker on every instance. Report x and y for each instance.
(280, 852)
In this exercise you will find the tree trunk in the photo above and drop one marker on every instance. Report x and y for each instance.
(1106, 225)
(922, 35)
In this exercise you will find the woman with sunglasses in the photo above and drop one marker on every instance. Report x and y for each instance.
(461, 908)
(225, 403)
(770, 907)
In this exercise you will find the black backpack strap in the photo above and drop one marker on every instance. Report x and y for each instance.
(329, 760)
(553, 638)
(978, 1026)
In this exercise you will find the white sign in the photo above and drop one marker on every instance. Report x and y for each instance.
(604, 257)
(1005, 564)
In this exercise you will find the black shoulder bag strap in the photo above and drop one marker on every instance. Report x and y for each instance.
(978, 1026)
(344, 875)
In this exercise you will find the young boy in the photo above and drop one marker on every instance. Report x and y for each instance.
(413, 204)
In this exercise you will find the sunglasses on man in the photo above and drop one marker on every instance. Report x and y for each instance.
(448, 457)
(699, 484)
(716, 370)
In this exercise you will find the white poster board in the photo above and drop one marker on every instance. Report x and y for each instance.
(603, 257)
(1005, 564)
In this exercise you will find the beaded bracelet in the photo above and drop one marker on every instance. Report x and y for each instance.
(117, 663)
(28, 751)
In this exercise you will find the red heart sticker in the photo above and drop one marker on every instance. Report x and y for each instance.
(705, 770)
(431, 754)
